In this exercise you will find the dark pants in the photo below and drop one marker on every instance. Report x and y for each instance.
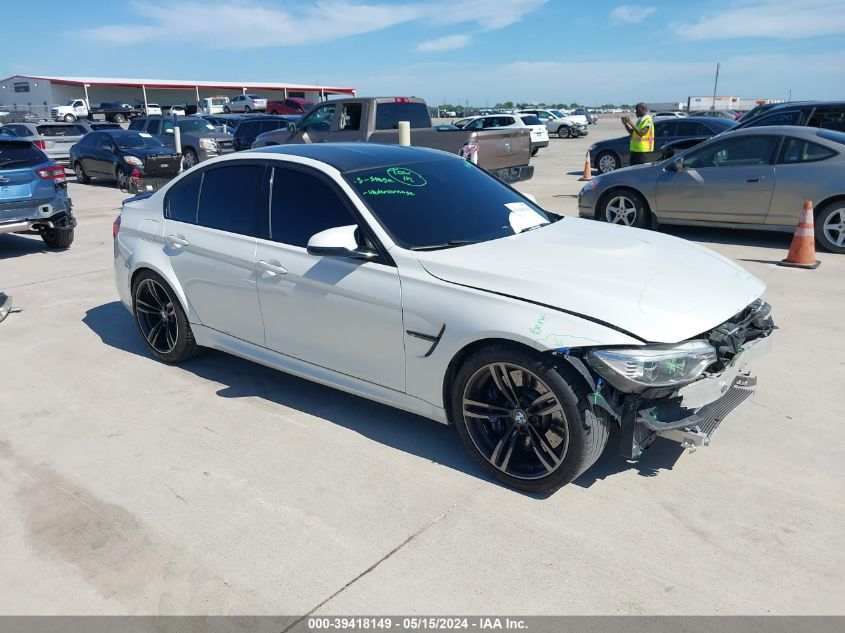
(640, 158)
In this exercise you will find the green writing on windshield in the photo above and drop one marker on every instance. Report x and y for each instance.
(388, 192)
(406, 176)
(376, 179)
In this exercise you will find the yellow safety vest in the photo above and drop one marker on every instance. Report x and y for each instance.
(643, 143)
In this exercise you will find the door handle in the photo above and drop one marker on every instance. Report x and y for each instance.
(176, 241)
(753, 179)
(271, 268)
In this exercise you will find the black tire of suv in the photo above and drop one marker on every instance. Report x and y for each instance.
(534, 151)
(57, 238)
(81, 176)
(588, 428)
(186, 346)
(826, 214)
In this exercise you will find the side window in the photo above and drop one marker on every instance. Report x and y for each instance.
(778, 118)
(271, 124)
(692, 128)
(234, 198)
(182, 199)
(320, 119)
(248, 129)
(105, 143)
(136, 124)
(475, 125)
(166, 126)
(796, 150)
(665, 129)
(829, 118)
(304, 205)
(350, 116)
(154, 126)
(737, 152)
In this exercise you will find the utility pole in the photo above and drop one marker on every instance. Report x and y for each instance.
(715, 87)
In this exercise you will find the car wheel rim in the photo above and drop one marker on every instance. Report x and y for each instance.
(156, 315)
(607, 163)
(621, 210)
(80, 175)
(834, 227)
(515, 421)
(190, 159)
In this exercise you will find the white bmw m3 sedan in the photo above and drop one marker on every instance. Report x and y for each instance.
(414, 278)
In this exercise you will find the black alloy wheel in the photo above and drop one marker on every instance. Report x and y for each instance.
(161, 320)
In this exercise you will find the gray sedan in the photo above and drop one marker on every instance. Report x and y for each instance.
(54, 139)
(755, 178)
(613, 153)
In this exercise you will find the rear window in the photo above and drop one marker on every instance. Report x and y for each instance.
(17, 155)
(530, 119)
(388, 115)
(58, 130)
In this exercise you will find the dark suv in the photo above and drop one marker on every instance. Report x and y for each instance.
(822, 114)
(249, 128)
(199, 138)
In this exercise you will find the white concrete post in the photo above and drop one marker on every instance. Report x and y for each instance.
(144, 88)
(177, 139)
(404, 133)
(85, 87)
(197, 88)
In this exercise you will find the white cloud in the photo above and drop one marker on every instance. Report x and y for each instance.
(447, 43)
(246, 24)
(629, 14)
(777, 19)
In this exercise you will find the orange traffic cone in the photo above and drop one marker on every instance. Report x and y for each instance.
(588, 170)
(802, 251)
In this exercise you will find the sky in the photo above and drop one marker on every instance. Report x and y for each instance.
(479, 52)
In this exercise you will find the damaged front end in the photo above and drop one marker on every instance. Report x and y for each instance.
(681, 392)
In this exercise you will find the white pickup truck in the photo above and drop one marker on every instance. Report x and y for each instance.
(70, 111)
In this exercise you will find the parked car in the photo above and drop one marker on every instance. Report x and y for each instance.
(371, 269)
(200, 140)
(539, 134)
(33, 193)
(731, 115)
(251, 127)
(94, 126)
(174, 110)
(120, 154)
(592, 119)
(246, 103)
(53, 138)
(561, 124)
(752, 178)
(213, 105)
(829, 115)
(292, 105)
(611, 154)
(150, 108)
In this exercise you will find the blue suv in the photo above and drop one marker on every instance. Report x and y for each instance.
(33, 194)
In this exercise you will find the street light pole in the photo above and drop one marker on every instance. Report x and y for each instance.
(715, 87)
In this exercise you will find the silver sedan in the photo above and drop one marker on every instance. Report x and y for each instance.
(755, 178)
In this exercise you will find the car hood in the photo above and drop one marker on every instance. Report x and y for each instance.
(660, 288)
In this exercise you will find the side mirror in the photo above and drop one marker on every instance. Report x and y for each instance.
(170, 131)
(676, 165)
(340, 241)
(109, 148)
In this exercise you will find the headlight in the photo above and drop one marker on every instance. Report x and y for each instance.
(591, 147)
(592, 185)
(208, 143)
(637, 369)
(133, 160)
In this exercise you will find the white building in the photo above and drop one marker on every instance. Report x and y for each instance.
(39, 93)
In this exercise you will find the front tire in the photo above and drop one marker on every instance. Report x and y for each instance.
(161, 320)
(190, 159)
(526, 418)
(607, 162)
(830, 227)
(563, 132)
(625, 207)
(70, 118)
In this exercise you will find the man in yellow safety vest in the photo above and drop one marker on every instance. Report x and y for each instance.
(642, 135)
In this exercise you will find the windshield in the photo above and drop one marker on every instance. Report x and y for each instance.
(137, 140)
(195, 125)
(557, 113)
(421, 207)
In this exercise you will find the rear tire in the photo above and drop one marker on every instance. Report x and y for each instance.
(81, 176)
(161, 320)
(607, 162)
(119, 118)
(830, 226)
(57, 238)
(247, 109)
(226, 110)
(534, 151)
(526, 418)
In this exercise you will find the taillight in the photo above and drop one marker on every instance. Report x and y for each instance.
(115, 227)
(56, 173)
(40, 144)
